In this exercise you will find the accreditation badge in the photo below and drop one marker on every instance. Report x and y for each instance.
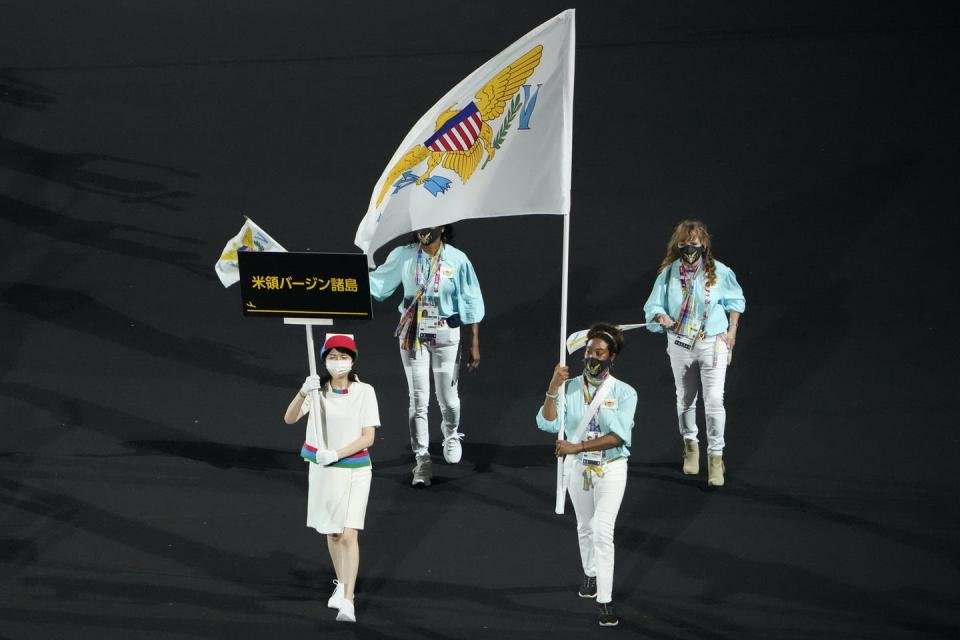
(689, 336)
(591, 457)
(593, 432)
(428, 320)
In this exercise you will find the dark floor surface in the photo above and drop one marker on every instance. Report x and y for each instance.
(148, 487)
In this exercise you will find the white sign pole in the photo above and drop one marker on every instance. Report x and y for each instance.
(308, 324)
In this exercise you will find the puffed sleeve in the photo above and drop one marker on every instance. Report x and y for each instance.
(733, 299)
(369, 411)
(657, 301)
(620, 421)
(469, 297)
(385, 279)
(550, 426)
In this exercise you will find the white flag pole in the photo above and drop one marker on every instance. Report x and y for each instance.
(567, 169)
(561, 408)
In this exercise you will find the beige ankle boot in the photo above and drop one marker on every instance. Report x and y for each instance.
(691, 457)
(715, 469)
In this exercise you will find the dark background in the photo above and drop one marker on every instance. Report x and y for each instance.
(148, 487)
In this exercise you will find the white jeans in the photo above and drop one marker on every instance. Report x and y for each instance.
(416, 365)
(596, 510)
(706, 364)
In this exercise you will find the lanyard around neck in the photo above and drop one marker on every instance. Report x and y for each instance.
(594, 406)
(422, 280)
(688, 285)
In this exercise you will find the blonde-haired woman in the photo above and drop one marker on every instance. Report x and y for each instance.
(697, 301)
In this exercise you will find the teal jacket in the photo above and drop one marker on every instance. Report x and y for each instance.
(616, 415)
(459, 288)
(666, 297)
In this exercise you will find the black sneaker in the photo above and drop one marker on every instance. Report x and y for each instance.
(589, 587)
(608, 618)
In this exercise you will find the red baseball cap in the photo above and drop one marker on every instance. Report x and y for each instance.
(342, 340)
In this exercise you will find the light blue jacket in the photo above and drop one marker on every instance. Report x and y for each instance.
(459, 288)
(616, 415)
(666, 297)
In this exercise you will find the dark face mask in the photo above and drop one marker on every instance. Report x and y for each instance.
(691, 253)
(427, 236)
(595, 367)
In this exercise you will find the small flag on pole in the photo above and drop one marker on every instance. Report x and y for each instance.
(578, 339)
(250, 238)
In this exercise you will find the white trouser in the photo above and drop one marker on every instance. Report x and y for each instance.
(706, 364)
(596, 510)
(416, 365)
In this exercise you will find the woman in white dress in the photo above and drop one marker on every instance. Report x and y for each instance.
(336, 447)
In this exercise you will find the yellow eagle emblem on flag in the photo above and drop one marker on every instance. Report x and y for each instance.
(245, 244)
(462, 135)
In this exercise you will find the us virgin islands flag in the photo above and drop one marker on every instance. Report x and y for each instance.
(250, 238)
(497, 144)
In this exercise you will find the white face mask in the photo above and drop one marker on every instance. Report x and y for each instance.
(338, 367)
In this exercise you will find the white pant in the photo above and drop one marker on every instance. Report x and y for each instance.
(416, 365)
(706, 364)
(596, 510)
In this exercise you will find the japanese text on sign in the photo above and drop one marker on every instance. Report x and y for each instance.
(276, 283)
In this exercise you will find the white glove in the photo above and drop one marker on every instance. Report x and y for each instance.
(309, 384)
(326, 456)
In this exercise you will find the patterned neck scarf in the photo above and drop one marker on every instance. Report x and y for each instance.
(426, 272)
(689, 276)
(594, 382)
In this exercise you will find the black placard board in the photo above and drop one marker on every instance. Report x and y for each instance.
(305, 285)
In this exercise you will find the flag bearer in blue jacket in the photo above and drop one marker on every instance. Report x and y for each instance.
(441, 299)
(598, 412)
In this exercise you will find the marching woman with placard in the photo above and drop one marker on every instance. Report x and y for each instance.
(697, 301)
(336, 446)
(441, 294)
(598, 413)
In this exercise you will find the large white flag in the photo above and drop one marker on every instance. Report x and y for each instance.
(250, 238)
(497, 144)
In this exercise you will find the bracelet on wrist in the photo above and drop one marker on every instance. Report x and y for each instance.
(552, 396)
(302, 394)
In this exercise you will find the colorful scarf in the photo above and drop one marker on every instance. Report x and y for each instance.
(427, 269)
(688, 306)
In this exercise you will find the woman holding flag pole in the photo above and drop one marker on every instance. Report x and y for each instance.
(598, 419)
(441, 294)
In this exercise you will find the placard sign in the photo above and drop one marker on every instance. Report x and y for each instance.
(305, 285)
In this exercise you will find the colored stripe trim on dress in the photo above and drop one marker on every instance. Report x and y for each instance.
(357, 460)
(309, 453)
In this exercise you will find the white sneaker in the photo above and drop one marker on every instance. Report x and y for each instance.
(337, 597)
(423, 472)
(452, 450)
(346, 613)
